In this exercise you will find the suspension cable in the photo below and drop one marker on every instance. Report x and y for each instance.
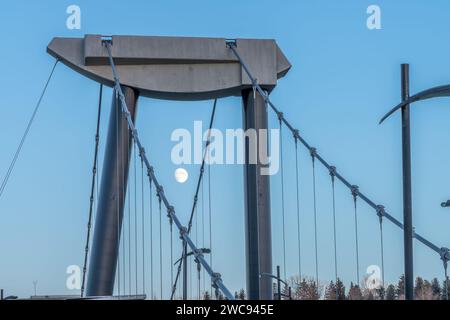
(215, 277)
(194, 205)
(232, 45)
(298, 208)
(313, 157)
(93, 184)
(280, 116)
(380, 213)
(355, 197)
(25, 134)
(333, 175)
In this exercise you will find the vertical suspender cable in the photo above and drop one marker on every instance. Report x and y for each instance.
(280, 117)
(203, 231)
(171, 252)
(210, 222)
(298, 208)
(191, 283)
(313, 157)
(129, 224)
(118, 119)
(355, 197)
(135, 223)
(380, 212)
(333, 176)
(199, 269)
(143, 226)
(160, 247)
(93, 185)
(446, 279)
(123, 176)
(151, 240)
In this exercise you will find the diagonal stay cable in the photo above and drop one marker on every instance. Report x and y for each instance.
(215, 277)
(233, 47)
(25, 134)
(199, 183)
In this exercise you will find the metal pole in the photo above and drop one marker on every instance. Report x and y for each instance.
(278, 283)
(1, 294)
(258, 240)
(407, 195)
(105, 245)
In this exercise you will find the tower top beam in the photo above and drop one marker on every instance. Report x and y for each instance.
(174, 68)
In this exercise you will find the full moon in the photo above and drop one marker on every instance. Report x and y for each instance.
(181, 175)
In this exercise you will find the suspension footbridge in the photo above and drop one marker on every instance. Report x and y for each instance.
(189, 69)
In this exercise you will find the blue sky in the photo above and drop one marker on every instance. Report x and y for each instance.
(344, 78)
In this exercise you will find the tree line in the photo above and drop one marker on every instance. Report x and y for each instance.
(308, 289)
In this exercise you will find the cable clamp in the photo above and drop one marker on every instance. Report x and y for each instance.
(231, 43)
(142, 152)
(313, 152)
(183, 232)
(254, 84)
(445, 255)
(216, 277)
(198, 253)
(280, 116)
(170, 211)
(355, 191)
(332, 172)
(380, 212)
(107, 41)
(296, 135)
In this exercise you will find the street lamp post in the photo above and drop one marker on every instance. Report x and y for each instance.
(441, 91)
(279, 294)
(183, 260)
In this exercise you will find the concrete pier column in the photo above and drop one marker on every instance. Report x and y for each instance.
(108, 223)
(258, 238)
